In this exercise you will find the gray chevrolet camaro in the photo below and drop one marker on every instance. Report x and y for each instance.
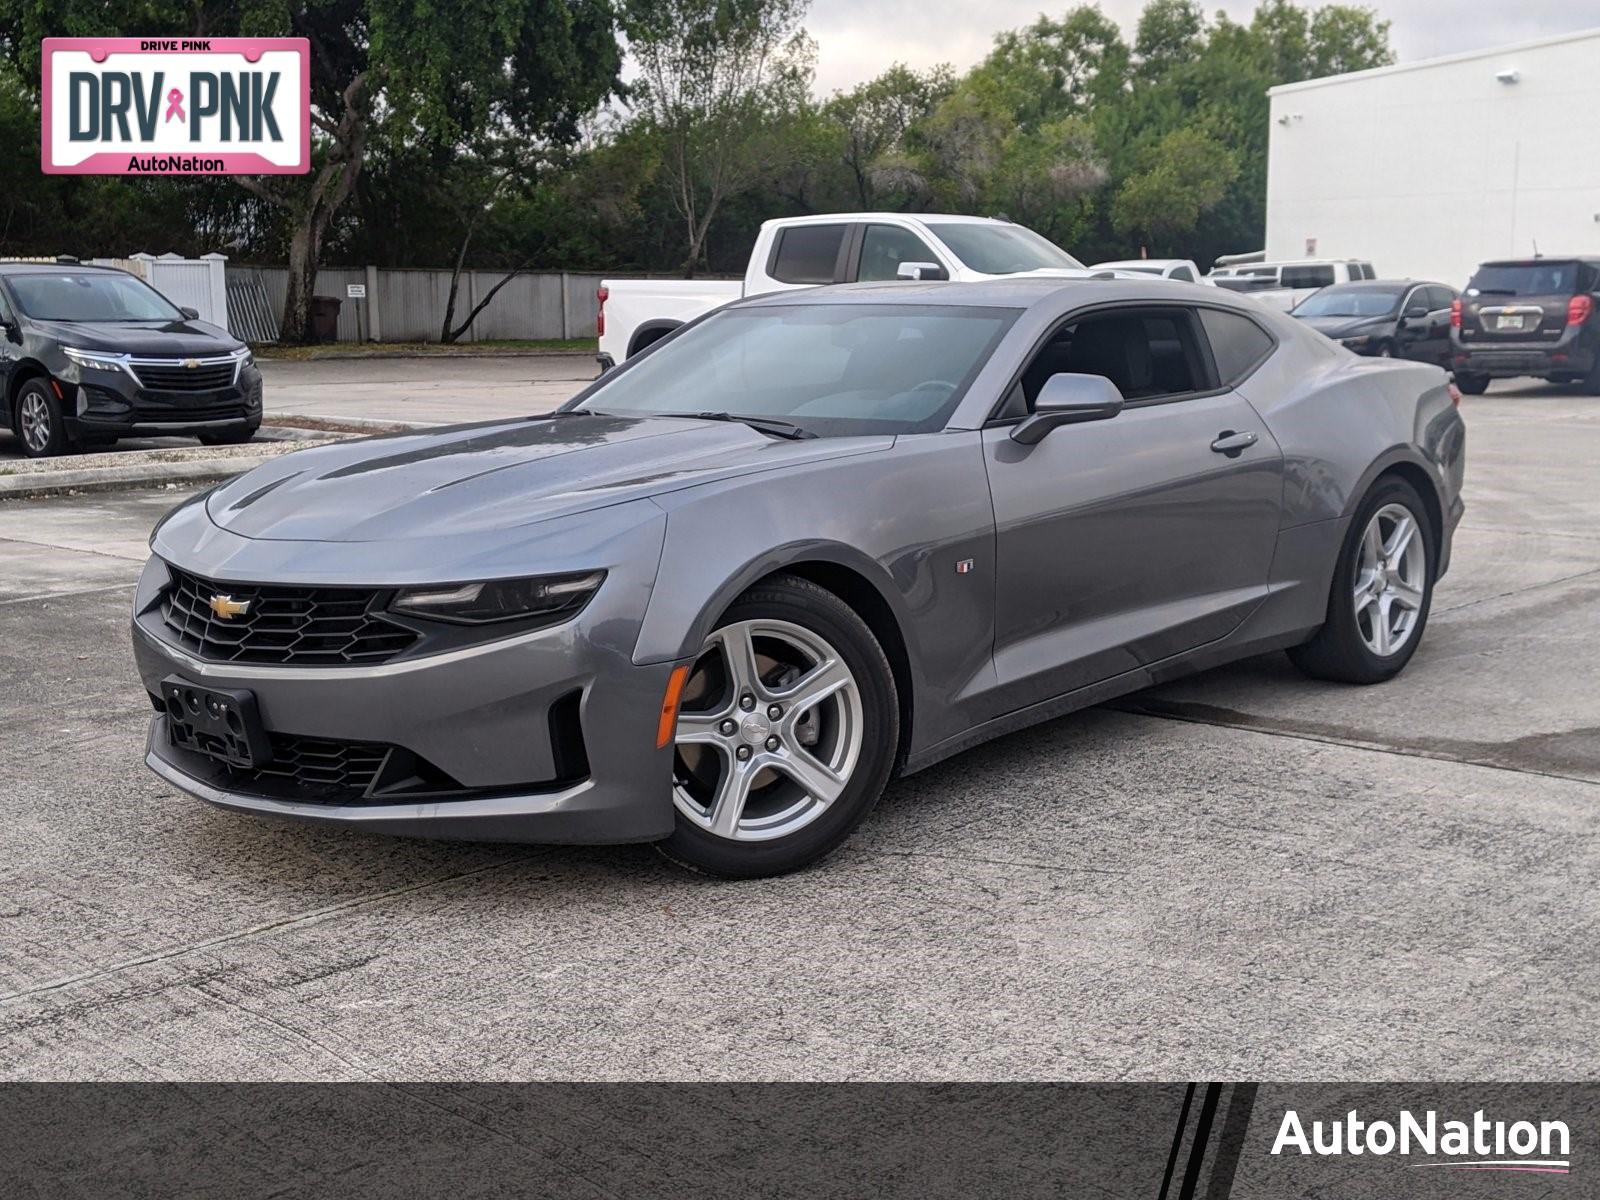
(807, 542)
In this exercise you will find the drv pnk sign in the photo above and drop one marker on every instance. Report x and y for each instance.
(176, 106)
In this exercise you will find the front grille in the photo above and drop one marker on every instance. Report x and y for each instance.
(173, 376)
(283, 625)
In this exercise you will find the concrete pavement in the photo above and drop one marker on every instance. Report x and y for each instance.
(1241, 874)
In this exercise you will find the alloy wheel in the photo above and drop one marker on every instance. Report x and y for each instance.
(35, 422)
(1391, 574)
(769, 731)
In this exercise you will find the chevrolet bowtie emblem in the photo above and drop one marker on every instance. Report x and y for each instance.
(226, 607)
(191, 363)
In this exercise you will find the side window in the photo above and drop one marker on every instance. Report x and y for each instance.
(1181, 271)
(807, 253)
(1238, 344)
(1148, 354)
(1439, 297)
(1317, 276)
(885, 247)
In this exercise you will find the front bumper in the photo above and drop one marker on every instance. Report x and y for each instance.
(490, 726)
(109, 403)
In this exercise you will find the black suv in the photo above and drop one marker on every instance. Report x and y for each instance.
(1384, 318)
(1529, 316)
(91, 354)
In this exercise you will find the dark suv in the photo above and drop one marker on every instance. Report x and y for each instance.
(91, 354)
(1529, 316)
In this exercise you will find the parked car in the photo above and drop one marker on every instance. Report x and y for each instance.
(1384, 318)
(812, 540)
(804, 252)
(92, 354)
(1283, 285)
(1529, 316)
(1183, 269)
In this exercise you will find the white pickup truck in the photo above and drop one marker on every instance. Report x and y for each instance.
(799, 252)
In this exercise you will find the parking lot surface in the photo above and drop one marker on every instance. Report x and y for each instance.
(1244, 874)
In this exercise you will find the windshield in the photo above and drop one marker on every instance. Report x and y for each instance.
(1001, 249)
(91, 296)
(830, 369)
(1525, 279)
(1356, 302)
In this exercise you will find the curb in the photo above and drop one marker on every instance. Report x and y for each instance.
(104, 479)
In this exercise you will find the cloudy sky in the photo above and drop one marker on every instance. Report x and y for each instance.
(856, 39)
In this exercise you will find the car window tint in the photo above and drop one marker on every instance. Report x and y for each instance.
(1238, 344)
(1317, 276)
(1439, 297)
(807, 253)
(885, 247)
(1147, 354)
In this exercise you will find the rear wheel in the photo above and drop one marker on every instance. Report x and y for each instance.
(38, 421)
(1472, 385)
(1382, 588)
(786, 734)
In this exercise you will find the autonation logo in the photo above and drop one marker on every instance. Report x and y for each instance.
(1476, 1145)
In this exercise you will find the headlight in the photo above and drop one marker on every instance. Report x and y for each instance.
(96, 360)
(551, 598)
(245, 357)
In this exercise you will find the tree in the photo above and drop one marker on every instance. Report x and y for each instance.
(713, 76)
(1185, 177)
(873, 119)
(438, 72)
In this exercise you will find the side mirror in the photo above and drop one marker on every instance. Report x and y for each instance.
(11, 329)
(192, 313)
(1416, 312)
(920, 270)
(1068, 399)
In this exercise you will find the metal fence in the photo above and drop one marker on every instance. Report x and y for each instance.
(407, 305)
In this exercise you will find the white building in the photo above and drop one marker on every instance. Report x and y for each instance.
(1429, 168)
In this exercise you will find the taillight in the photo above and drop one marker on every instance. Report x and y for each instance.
(1455, 394)
(1578, 310)
(602, 295)
(1455, 314)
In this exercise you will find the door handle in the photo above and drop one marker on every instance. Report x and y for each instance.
(1233, 444)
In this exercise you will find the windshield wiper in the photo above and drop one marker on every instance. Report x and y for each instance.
(772, 425)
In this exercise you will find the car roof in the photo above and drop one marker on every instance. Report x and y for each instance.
(926, 218)
(1015, 292)
(52, 268)
(1373, 285)
(1540, 260)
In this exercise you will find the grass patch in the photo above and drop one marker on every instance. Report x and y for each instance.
(386, 349)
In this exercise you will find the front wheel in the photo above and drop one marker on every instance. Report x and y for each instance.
(1472, 385)
(38, 421)
(1382, 588)
(786, 734)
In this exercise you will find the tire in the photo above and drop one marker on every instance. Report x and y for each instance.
(38, 422)
(1344, 648)
(1591, 381)
(1385, 351)
(811, 773)
(1472, 385)
(235, 437)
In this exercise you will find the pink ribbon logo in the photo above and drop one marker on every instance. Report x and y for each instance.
(175, 105)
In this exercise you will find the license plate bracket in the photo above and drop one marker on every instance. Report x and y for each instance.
(219, 723)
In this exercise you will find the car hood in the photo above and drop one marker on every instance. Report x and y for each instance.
(499, 475)
(147, 339)
(1343, 327)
